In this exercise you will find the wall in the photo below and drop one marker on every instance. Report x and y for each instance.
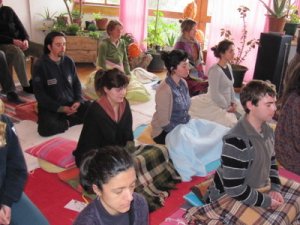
(28, 10)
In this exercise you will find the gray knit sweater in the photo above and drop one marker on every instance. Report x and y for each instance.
(247, 163)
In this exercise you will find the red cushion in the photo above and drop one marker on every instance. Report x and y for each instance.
(27, 111)
(56, 150)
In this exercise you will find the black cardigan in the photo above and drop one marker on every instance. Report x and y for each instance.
(100, 130)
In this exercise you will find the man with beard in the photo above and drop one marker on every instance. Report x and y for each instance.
(57, 88)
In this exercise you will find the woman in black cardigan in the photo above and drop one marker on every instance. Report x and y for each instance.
(108, 120)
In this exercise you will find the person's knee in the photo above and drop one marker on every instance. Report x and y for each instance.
(14, 52)
(26, 213)
(48, 127)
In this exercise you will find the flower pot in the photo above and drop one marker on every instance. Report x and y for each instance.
(276, 24)
(77, 21)
(238, 75)
(48, 23)
(102, 23)
(290, 28)
(157, 64)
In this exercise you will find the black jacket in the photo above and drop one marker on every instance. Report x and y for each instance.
(56, 85)
(100, 130)
(10, 26)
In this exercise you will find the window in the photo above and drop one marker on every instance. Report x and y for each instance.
(164, 5)
(169, 5)
(104, 2)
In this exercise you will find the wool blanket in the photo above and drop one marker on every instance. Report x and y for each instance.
(155, 174)
(227, 210)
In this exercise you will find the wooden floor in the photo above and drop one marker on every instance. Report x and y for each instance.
(83, 71)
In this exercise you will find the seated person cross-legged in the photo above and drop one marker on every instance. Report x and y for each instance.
(112, 50)
(108, 121)
(172, 97)
(185, 139)
(246, 188)
(196, 80)
(57, 88)
(219, 104)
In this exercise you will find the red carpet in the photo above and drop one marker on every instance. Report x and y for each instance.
(51, 195)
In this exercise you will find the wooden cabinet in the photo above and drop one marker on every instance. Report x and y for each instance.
(82, 49)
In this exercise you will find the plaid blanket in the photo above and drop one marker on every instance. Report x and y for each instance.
(229, 211)
(156, 174)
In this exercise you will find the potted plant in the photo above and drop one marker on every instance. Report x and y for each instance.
(69, 11)
(48, 18)
(72, 29)
(277, 14)
(159, 35)
(100, 21)
(293, 21)
(246, 45)
(76, 17)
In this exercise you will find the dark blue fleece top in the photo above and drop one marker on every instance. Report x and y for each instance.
(13, 171)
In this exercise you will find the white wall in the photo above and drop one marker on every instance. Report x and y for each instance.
(28, 10)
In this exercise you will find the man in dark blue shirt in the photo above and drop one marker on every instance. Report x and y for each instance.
(57, 88)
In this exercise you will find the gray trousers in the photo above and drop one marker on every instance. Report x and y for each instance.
(6, 79)
(17, 58)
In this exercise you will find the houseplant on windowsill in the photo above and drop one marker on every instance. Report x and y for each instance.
(293, 20)
(277, 14)
(246, 45)
(48, 19)
(101, 22)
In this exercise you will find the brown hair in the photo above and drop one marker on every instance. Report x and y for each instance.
(112, 24)
(187, 25)
(113, 78)
(254, 91)
(221, 47)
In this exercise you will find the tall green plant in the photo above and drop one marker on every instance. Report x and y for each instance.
(280, 8)
(160, 32)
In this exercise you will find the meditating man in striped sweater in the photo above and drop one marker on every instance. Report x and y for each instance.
(248, 157)
(246, 188)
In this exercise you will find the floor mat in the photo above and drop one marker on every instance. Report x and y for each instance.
(10, 108)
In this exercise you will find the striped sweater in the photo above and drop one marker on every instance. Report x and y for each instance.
(247, 164)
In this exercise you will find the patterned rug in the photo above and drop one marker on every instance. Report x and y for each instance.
(10, 108)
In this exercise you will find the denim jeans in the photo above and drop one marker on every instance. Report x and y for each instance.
(24, 212)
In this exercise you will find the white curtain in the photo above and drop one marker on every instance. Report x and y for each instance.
(225, 15)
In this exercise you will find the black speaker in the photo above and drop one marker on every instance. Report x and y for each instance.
(272, 58)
